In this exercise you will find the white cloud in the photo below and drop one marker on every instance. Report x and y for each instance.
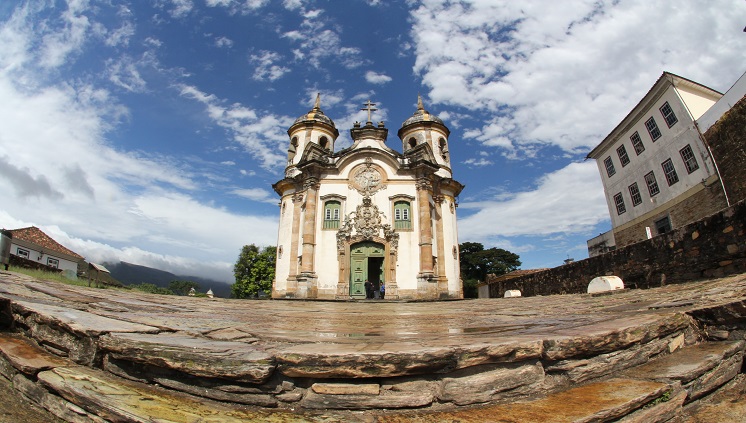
(124, 73)
(266, 69)
(317, 43)
(569, 200)
(565, 73)
(181, 8)
(377, 78)
(237, 6)
(262, 136)
(66, 173)
(121, 35)
(257, 194)
(477, 162)
(222, 42)
(59, 43)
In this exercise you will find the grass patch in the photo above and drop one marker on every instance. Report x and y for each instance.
(53, 276)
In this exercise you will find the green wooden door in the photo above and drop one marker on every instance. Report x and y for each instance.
(358, 272)
(361, 268)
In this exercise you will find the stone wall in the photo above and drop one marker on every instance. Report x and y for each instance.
(712, 247)
(709, 199)
(727, 140)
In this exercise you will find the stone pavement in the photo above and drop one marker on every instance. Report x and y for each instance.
(307, 358)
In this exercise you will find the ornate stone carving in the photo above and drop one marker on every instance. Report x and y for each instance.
(311, 183)
(366, 222)
(298, 197)
(423, 184)
(368, 180)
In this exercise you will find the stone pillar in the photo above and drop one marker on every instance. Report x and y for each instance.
(424, 187)
(292, 282)
(309, 226)
(442, 277)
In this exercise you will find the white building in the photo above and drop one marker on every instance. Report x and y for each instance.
(31, 244)
(656, 168)
(367, 212)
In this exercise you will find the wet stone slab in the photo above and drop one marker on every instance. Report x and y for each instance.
(192, 355)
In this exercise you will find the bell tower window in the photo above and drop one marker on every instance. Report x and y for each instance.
(412, 142)
(293, 149)
(443, 145)
(324, 143)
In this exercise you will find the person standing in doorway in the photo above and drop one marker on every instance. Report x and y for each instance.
(383, 290)
(368, 290)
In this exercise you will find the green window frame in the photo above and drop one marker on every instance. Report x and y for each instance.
(331, 214)
(402, 215)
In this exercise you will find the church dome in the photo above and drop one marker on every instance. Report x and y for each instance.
(315, 115)
(421, 115)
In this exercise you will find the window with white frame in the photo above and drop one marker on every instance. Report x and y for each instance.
(634, 193)
(623, 157)
(652, 184)
(670, 172)
(20, 252)
(331, 214)
(619, 201)
(402, 215)
(668, 114)
(609, 166)
(690, 161)
(637, 143)
(653, 130)
(53, 262)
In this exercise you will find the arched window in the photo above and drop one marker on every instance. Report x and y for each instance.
(324, 143)
(412, 142)
(292, 149)
(331, 214)
(402, 215)
(443, 148)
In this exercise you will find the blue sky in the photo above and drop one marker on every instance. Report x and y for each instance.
(151, 131)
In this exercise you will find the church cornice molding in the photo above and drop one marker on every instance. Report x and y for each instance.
(452, 186)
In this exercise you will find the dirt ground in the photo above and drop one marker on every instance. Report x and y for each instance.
(16, 409)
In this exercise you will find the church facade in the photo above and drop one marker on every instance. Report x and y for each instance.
(368, 212)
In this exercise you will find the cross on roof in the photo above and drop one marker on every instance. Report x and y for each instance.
(369, 107)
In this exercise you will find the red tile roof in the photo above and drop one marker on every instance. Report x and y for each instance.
(35, 235)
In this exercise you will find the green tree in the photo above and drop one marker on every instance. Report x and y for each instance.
(182, 287)
(254, 271)
(477, 263)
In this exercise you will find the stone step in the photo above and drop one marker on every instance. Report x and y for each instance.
(596, 402)
(699, 368)
(81, 394)
(651, 392)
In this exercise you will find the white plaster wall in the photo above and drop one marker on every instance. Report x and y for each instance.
(41, 257)
(696, 101)
(284, 238)
(672, 140)
(450, 238)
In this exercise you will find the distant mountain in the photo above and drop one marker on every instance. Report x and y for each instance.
(133, 274)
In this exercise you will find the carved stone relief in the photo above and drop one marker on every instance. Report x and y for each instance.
(365, 223)
(367, 180)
